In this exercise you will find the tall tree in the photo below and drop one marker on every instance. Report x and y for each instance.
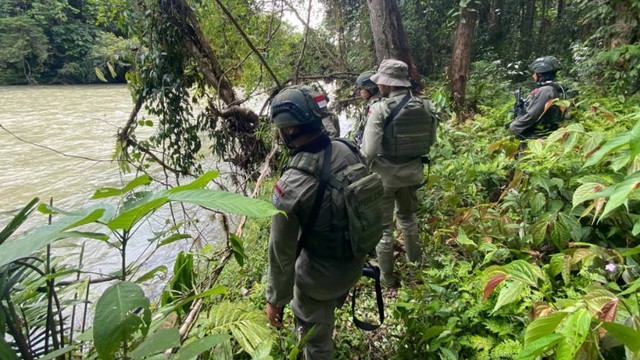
(527, 20)
(461, 57)
(388, 34)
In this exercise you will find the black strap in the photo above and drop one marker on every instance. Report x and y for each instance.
(397, 109)
(372, 272)
(325, 173)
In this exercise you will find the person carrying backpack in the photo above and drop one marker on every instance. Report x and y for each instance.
(370, 93)
(399, 131)
(315, 256)
(537, 116)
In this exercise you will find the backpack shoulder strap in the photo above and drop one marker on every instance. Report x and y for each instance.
(325, 174)
(397, 109)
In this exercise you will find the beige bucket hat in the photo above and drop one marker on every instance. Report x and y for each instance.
(392, 72)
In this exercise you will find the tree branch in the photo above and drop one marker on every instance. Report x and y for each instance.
(296, 71)
(248, 41)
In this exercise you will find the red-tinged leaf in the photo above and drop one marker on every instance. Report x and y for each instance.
(491, 285)
(609, 310)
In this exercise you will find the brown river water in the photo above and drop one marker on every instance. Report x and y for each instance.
(57, 142)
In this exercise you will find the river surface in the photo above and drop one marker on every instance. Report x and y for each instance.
(57, 142)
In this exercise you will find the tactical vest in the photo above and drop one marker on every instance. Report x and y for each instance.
(411, 133)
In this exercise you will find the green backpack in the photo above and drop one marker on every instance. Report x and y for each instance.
(354, 190)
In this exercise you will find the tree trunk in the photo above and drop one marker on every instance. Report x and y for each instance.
(459, 69)
(560, 12)
(388, 34)
(526, 29)
(544, 26)
(623, 24)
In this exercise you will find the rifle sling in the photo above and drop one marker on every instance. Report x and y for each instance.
(372, 272)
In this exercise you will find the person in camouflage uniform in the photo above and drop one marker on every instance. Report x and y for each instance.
(370, 93)
(315, 285)
(537, 116)
(412, 129)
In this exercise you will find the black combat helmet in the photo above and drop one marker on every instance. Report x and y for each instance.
(545, 64)
(298, 105)
(364, 81)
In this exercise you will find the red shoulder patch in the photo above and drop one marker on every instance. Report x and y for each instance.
(278, 189)
(535, 91)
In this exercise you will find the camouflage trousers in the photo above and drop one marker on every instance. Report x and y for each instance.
(405, 203)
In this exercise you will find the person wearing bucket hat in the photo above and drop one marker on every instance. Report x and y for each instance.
(400, 129)
(537, 116)
(369, 92)
(314, 285)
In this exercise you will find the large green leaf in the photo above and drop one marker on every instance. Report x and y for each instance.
(125, 220)
(108, 192)
(511, 292)
(193, 349)
(575, 329)
(597, 298)
(121, 311)
(57, 353)
(42, 236)
(249, 327)
(621, 192)
(226, 202)
(158, 342)
(609, 147)
(538, 347)
(542, 326)
(199, 183)
(630, 337)
(589, 191)
(524, 272)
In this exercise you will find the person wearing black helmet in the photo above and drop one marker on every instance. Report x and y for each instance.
(314, 284)
(369, 92)
(537, 116)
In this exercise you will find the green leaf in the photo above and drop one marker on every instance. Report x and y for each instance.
(42, 236)
(621, 193)
(152, 273)
(589, 191)
(539, 347)
(462, 239)
(121, 311)
(511, 292)
(542, 326)
(237, 247)
(249, 327)
(636, 228)
(575, 329)
(632, 251)
(18, 220)
(109, 191)
(628, 336)
(158, 342)
(99, 74)
(226, 202)
(597, 298)
(128, 218)
(609, 147)
(6, 352)
(173, 238)
(263, 351)
(57, 353)
(193, 349)
(111, 70)
(199, 183)
(448, 354)
(524, 272)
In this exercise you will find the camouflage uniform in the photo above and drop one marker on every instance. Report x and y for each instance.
(358, 129)
(401, 179)
(538, 117)
(534, 121)
(316, 285)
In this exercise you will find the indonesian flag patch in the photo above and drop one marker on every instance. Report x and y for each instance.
(278, 191)
(320, 100)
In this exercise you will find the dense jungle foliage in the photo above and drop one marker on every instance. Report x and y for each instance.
(531, 249)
